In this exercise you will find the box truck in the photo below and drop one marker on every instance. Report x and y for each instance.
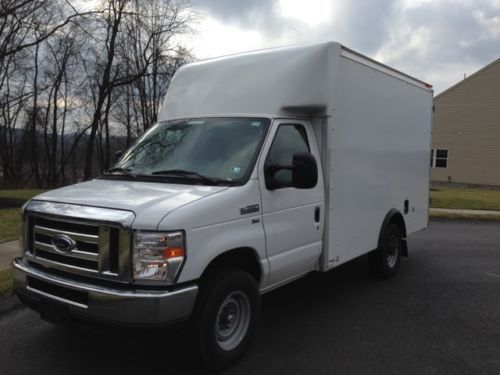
(263, 167)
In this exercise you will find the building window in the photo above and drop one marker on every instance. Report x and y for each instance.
(439, 158)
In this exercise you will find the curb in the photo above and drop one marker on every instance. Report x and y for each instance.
(476, 215)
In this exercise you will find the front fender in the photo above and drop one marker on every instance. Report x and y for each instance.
(206, 243)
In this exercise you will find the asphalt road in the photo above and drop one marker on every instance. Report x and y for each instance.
(439, 315)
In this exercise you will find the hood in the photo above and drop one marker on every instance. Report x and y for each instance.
(150, 201)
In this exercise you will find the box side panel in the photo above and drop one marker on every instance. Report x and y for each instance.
(379, 157)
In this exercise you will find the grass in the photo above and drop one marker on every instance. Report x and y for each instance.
(5, 281)
(20, 193)
(467, 199)
(10, 220)
(9, 217)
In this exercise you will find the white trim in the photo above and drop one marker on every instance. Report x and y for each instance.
(361, 59)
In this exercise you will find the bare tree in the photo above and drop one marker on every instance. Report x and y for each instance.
(69, 96)
(26, 27)
(138, 40)
(149, 47)
(13, 98)
(26, 23)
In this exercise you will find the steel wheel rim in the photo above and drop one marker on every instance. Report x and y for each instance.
(392, 251)
(233, 320)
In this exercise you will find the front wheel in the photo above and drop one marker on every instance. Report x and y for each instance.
(226, 317)
(385, 260)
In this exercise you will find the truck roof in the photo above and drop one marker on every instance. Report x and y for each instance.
(297, 80)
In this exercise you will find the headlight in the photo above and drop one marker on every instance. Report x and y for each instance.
(158, 256)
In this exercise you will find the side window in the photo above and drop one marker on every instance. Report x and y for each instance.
(289, 139)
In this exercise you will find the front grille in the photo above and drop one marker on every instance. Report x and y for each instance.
(97, 250)
(90, 265)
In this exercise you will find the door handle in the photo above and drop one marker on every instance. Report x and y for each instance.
(316, 214)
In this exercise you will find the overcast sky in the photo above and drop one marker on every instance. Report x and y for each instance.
(434, 40)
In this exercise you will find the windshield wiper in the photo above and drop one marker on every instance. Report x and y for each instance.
(126, 171)
(188, 174)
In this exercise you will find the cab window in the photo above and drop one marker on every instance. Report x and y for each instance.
(289, 139)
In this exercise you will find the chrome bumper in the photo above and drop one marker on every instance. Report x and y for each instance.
(142, 307)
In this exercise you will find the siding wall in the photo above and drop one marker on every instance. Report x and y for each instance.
(467, 123)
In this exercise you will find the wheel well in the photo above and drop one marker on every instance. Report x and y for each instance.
(395, 217)
(243, 258)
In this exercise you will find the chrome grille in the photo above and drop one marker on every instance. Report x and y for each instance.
(86, 252)
(100, 250)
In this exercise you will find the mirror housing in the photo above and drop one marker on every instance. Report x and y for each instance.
(304, 171)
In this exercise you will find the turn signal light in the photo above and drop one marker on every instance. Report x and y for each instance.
(173, 252)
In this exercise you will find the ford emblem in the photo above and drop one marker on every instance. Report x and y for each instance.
(63, 243)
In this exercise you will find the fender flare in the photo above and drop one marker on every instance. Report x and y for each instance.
(234, 257)
(394, 216)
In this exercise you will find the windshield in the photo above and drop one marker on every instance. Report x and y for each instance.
(206, 150)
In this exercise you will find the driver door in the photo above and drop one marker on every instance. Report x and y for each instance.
(292, 218)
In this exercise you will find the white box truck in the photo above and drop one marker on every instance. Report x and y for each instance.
(263, 167)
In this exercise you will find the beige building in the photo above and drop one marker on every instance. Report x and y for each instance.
(466, 130)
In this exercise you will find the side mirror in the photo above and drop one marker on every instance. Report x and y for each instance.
(304, 171)
(269, 172)
(118, 156)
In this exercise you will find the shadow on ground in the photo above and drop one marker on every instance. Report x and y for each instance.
(83, 349)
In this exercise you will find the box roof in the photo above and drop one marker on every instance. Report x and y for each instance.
(272, 82)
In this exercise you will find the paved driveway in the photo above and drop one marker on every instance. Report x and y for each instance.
(440, 315)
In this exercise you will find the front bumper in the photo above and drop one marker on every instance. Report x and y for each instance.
(135, 307)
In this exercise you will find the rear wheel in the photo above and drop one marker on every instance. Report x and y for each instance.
(226, 317)
(384, 261)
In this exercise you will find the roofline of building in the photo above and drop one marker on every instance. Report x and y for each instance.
(484, 68)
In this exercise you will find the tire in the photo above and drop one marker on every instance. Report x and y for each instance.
(226, 317)
(385, 260)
